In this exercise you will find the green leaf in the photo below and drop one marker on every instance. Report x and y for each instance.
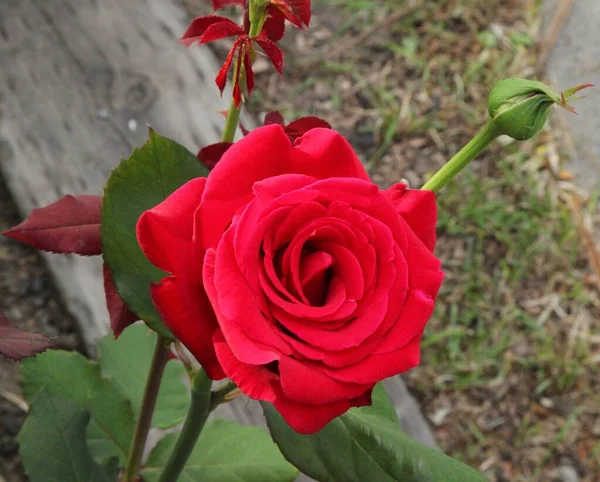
(366, 443)
(139, 183)
(53, 447)
(227, 452)
(70, 376)
(125, 362)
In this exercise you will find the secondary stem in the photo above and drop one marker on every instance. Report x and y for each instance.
(463, 157)
(192, 426)
(157, 368)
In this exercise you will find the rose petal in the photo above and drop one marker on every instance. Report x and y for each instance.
(305, 384)
(419, 210)
(307, 419)
(267, 152)
(253, 380)
(252, 339)
(187, 313)
(165, 231)
(379, 367)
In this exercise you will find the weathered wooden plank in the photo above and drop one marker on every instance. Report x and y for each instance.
(80, 79)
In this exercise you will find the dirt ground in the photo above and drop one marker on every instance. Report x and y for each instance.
(30, 302)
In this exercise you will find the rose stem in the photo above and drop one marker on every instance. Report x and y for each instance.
(192, 426)
(233, 115)
(157, 368)
(463, 157)
(231, 123)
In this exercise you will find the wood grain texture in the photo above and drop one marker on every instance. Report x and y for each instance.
(79, 82)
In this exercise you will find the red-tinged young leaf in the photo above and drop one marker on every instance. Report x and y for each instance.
(245, 131)
(301, 126)
(273, 52)
(249, 71)
(221, 79)
(210, 28)
(211, 154)
(70, 225)
(288, 14)
(296, 11)
(222, 30)
(301, 8)
(16, 344)
(218, 4)
(573, 90)
(274, 27)
(237, 90)
(119, 313)
(274, 117)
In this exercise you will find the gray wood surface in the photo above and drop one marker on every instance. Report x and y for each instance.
(79, 81)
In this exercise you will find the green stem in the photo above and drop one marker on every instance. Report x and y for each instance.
(463, 157)
(219, 395)
(192, 426)
(233, 118)
(157, 368)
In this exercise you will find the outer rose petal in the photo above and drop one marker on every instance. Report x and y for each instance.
(239, 332)
(267, 152)
(306, 384)
(165, 231)
(186, 311)
(307, 419)
(253, 380)
(419, 210)
(379, 367)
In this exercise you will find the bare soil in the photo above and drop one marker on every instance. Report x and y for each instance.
(31, 302)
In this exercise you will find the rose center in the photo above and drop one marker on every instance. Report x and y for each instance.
(309, 280)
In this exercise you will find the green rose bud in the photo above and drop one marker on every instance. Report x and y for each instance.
(519, 108)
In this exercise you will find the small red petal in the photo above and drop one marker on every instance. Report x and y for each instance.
(274, 27)
(211, 154)
(301, 8)
(221, 79)
(273, 52)
(296, 11)
(218, 4)
(120, 315)
(245, 131)
(301, 126)
(249, 73)
(237, 90)
(274, 117)
(210, 28)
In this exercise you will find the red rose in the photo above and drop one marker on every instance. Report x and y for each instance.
(321, 283)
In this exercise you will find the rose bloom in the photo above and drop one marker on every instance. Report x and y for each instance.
(294, 275)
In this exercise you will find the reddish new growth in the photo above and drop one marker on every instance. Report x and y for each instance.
(72, 225)
(294, 129)
(211, 154)
(567, 96)
(213, 27)
(16, 344)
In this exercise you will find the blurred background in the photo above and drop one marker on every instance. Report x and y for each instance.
(510, 374)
